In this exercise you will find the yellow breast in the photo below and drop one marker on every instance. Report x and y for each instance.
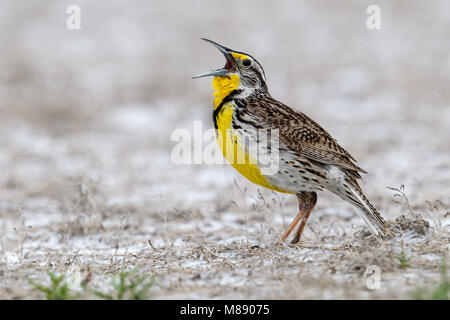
(233, 149)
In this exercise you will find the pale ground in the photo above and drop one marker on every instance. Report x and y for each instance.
(86, 120)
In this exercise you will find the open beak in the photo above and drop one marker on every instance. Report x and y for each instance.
(228, 66)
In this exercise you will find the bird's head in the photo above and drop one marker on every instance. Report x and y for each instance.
(241, 71)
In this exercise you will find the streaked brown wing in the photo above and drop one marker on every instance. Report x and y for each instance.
(302, 134)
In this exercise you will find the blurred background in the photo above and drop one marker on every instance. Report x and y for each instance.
(86, 118)
(102, 101)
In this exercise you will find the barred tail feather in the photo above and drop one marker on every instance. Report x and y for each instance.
(367, 212)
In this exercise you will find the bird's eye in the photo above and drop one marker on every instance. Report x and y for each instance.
(246, 62)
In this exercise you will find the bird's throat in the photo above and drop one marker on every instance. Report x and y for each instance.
(223, 86)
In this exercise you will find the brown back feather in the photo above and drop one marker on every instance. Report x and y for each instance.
(302, 134)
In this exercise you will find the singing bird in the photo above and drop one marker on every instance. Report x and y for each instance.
(309, 158)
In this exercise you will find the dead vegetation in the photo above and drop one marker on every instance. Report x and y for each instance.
(198, 266)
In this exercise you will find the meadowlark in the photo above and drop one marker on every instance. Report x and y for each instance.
(310, 159)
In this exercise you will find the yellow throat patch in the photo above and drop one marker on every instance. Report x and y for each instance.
(223, 86)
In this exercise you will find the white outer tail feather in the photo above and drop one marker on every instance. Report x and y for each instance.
(364, 214)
